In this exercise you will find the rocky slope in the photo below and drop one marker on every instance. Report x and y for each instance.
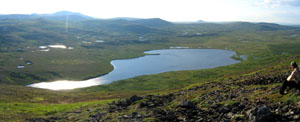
(249, 97)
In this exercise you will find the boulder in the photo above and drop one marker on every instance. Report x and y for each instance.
(261, 113)
(135, 98)
(97, 116)
(142, 105)
(186, 104)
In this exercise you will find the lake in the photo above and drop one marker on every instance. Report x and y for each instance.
(157, 61)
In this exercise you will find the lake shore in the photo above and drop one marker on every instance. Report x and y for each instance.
(167, 60)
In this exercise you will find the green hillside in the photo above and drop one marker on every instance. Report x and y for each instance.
(250, 96)
(94, 43)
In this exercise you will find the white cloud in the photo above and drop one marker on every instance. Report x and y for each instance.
(278, 3)
(171, 10)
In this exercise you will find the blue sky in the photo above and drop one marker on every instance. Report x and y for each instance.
(277, 11)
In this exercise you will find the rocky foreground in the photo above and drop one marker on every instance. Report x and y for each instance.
(252, 97)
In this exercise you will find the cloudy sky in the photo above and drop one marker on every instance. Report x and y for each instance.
(278, 11)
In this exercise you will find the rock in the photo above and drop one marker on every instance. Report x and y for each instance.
(230, 115)
(37, 120)
(123, 103)
(142, 104)
(186, 104)
(224, 109)
(152, 105)
(216, 106)
(97, 116)
(296, 117)
(168, 116)
(289, 113)
(242, 106)
(285, 108)
(70, 117)
(135, 98)
(233, 96)
(236, 109)
(77, 112)
(134, 114)
(53, 119)
(237, 117)
(125, 116)
(260, 113)
(236, 104)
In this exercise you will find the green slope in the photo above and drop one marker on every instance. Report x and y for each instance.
(264, 44)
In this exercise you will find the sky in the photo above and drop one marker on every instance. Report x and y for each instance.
(275, 11)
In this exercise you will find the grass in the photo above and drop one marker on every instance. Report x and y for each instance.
(262, 48)
(163, 82)
(92, 60)
(19, 111)
(261, 92)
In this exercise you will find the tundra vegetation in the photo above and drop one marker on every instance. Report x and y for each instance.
(235, 92)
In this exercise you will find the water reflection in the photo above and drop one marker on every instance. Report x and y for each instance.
(167, 60)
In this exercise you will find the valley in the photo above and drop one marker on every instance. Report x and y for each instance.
(50, 51)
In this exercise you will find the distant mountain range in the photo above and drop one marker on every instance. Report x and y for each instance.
(62, 15)
(200, 21)
(74, 16)
(125, 18)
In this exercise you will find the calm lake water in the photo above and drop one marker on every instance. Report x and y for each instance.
(158, 61)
